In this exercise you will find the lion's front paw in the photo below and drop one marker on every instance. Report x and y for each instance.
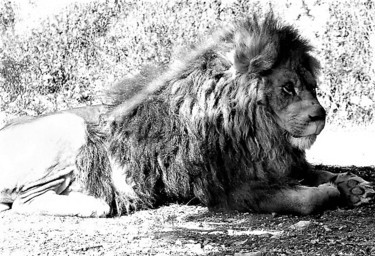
(354, 189)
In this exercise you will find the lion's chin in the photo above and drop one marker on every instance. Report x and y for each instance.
(302, 142)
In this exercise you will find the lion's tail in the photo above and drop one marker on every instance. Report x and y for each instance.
(94, 170)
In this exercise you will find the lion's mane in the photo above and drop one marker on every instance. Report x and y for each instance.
(205, 128)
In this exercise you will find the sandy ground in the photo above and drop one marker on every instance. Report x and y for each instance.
(192, 230)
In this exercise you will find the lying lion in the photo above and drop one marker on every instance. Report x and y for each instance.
(227, 124)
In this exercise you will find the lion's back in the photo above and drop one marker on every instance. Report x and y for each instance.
(37, 145)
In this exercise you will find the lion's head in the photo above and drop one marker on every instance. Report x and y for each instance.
(290, 94)
(286, 72)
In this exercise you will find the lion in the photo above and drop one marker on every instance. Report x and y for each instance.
(225, 124)
(228, 124)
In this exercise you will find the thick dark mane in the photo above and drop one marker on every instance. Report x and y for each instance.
(206, 129)
(264, 45)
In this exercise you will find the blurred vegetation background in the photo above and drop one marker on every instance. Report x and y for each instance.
(70, 57)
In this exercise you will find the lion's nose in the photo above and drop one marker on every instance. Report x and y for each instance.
(318, 115)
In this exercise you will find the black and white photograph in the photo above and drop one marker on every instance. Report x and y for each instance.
(187, 127)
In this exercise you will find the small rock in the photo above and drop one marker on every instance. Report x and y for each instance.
(326, 228)
(301, 225)
(342, 227)
(216, 232)
(238, 243)
(258, 253)
(206, 241)
(314, 241)
(277, 235)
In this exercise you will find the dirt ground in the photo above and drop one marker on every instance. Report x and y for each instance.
(192, 230)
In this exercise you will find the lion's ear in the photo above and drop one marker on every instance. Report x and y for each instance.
(254, 54)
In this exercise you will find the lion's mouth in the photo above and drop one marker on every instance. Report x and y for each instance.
(302, 142)
(305, 137)
(311, 128)
(319, 126)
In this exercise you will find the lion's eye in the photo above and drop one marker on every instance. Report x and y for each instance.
(289, 88)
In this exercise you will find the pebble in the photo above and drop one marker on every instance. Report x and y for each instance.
(301, 225)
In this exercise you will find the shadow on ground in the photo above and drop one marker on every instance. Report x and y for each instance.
(192, 230)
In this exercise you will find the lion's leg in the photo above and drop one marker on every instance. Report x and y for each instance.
(355, 191)
(73, 204)
(297, 200)
(318, 177)
(302, 200)
(56, 195)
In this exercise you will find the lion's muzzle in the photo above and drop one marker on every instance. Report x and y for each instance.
(315, 115)
(313, 128)
(317, 118)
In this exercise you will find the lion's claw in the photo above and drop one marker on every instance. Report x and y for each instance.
(354, 189)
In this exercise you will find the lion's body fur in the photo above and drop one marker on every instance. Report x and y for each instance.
(203, 134)
(94, 170)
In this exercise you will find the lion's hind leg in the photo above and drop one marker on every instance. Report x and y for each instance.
(59, 195)
(72, 204)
